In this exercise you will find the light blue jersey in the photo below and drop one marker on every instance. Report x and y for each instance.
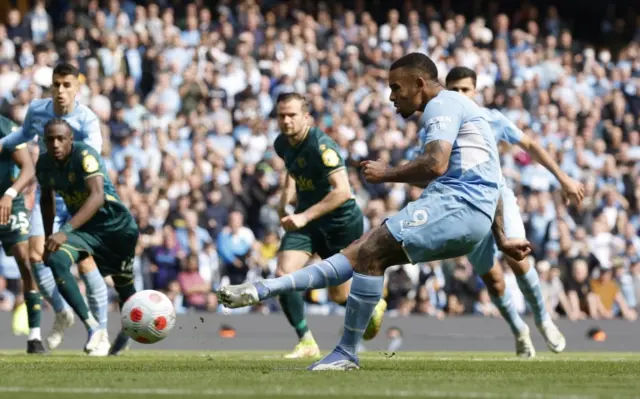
(474, 166)
(454, 214)
(482, 257)
(503, 130)
(84, 123)
(86, 127)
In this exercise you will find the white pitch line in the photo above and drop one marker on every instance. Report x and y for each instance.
(283, 390)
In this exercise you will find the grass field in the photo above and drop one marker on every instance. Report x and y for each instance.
(146, 374)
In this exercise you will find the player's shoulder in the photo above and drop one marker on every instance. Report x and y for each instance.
(319, 139)
(280, 144)
(86, 156)
(82, 149)
(86, 113)
(43, 162)
(39, 105)
(326, 147)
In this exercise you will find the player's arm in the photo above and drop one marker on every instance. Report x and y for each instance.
(427, 167)
(48, 209)
(22, 157)
(573, 190)
(22, 135)
(441, 122)
(339, 194)
(288, 194)
(95, 201)
(516, 249)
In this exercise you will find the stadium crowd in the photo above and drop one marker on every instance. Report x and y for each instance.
(186, 97)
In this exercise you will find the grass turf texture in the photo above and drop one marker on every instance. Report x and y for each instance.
(160, 374)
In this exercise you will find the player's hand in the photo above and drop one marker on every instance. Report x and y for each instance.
(55, 241)
(373, 171)
(573, 192)
(294, 222)
(516, 248)
(6, 202)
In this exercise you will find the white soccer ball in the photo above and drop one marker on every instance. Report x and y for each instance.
(148, 317)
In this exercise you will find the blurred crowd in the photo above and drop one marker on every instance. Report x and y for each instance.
(186, 98)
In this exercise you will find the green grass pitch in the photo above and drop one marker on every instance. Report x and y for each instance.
(166, 374)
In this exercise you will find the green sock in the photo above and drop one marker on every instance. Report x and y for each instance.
(124, 287)
(293, 307)
(60, 265)
(33, 299)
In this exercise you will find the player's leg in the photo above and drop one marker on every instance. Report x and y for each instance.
(529, 284)
(33, 298)
(97, 293)
(11, 272)
(295, 252)
(115, 254)
(483, 260)
(46, 282)
(60, 263)
(336, 240)
(431, 228)
(125, 287)
(527, 276)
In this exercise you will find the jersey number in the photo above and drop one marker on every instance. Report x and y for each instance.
(19, 222)
(127, 266)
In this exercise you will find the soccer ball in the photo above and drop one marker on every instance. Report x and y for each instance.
(148, 316)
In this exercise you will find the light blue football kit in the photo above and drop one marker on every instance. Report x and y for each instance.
(455, 212)
(482, 258)
(86, 128)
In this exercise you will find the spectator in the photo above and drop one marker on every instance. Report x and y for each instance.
(166, 260)
(194, 288)
(581, 299)
(609, 299)
(235, 242)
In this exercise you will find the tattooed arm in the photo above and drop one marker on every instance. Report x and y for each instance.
(432, 164)
(517, 249)
(498, 225)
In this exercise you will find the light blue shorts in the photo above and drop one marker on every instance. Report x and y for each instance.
(37, 226)
(484, 254)
(438, 226)
(8, 266)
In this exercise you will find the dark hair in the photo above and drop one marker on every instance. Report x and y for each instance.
(65, 69)
(284, 97)
(459, 73)
(419, 62)
(57, 121)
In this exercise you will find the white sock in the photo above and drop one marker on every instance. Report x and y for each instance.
(34, 333)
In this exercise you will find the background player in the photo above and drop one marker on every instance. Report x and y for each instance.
(326, 219)
(101, 227)
(463, 80)
(14, 227)
(86, 128)
(461, 170)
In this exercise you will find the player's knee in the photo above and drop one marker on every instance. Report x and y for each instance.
(35, 256)
(339, 294)
(290, 261)
(124, 286)
(286, 268)
(519, 268)
(368, 259)
(59, 262)
(495, 286)
(86, 266)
